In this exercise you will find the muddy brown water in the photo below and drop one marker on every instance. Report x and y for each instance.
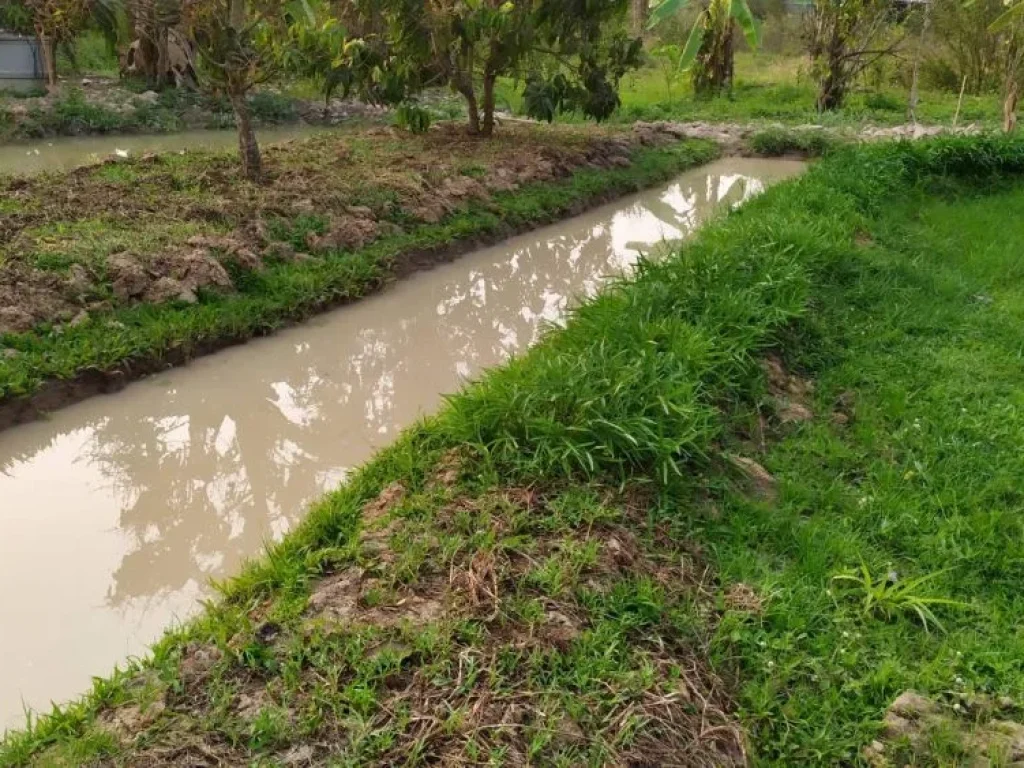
(63, 154)
(116, 512)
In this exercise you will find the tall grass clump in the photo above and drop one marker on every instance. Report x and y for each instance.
(635, 383)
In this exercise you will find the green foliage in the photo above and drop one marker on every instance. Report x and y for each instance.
(546, 98)
(776, 141)
(77, 115)
(89, 53)
(16, 17)
(884, 101)
(966, 46)
(669, 57)
(888, 595)
(271, 107)
(709, 51)
(412, 117)
(562, 50)
(315, 44)
(848, 37)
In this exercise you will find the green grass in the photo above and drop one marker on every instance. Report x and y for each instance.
(93, 55)
(611, 589)
(924, 327)
(283, 292)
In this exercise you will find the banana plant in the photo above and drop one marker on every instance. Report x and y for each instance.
(708, 52)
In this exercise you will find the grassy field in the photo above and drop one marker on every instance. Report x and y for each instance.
(911, 488)
(94, 279)
(733, 511)
(775, 88)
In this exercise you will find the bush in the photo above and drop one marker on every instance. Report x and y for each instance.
(939, 74)
(774, 142)
(72, 114)
(413, 118)
(272, 107)
(884, 102)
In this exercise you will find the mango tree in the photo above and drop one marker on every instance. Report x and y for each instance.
(314, 41)
(227, 34)
(709, 52)
(562, 49)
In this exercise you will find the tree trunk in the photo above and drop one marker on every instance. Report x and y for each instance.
(638, 16)
(488, 125)
(832, 88)
(728, 58)
(49, 51)
(248, 147)
(712, 74)
(163, 57)
(465, 87)
(238, 14)
(1010, 106)
(831, 94)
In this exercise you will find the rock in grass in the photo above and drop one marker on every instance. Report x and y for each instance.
(757, 479)
(168, 289)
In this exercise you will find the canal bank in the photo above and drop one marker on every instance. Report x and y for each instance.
(180, 478)
(120, 270)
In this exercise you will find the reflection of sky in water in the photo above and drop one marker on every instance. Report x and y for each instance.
(116, 513)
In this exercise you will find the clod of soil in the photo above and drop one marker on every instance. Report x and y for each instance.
(29, 297)
(790, 394)
(759, 482)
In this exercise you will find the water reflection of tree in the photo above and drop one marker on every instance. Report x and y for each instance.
(205, 480)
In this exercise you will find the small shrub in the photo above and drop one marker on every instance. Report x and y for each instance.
(413, 118)
(886, 596)
(774, 142)
(72, 114)
(271, 107)
(884, 102)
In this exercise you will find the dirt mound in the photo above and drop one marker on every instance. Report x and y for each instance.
(29, 297)
(483, 584)
(168, 276)
(346, 233)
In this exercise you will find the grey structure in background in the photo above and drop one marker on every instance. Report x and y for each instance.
(21, 63)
